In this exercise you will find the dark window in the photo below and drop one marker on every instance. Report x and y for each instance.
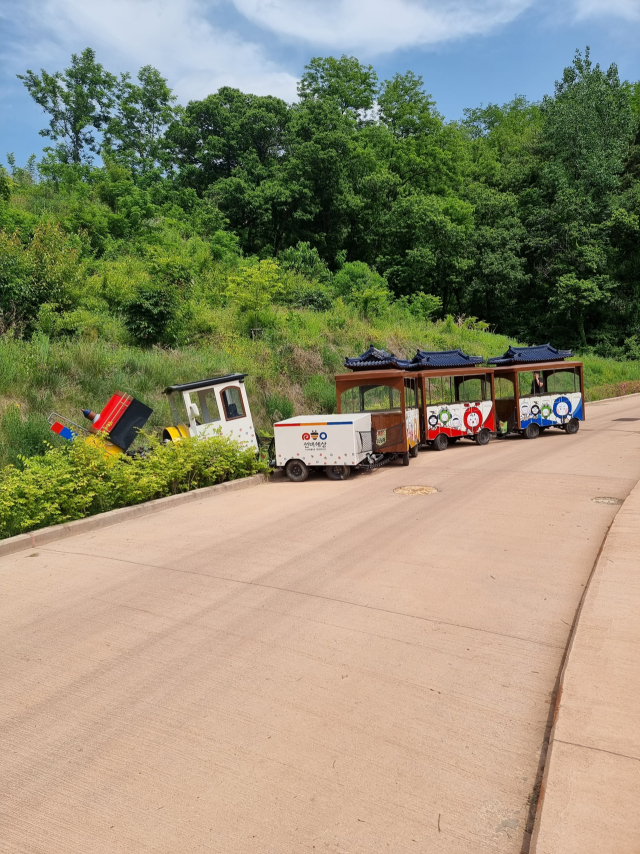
(232, 402)
(370, 398)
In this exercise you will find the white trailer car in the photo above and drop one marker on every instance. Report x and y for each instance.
(208, 407)
(331, 443)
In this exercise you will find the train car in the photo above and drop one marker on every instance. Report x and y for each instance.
(380, 385)
(538, 388)
(456, 398)
(212, 406)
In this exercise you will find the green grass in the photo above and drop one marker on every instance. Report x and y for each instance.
(290, 370)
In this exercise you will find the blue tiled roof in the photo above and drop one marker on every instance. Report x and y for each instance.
(373, 359)
(539, 353)
(443, 359)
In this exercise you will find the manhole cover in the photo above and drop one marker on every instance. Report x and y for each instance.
(415, 490)
(605, 500)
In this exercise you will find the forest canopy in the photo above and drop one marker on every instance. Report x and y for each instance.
(526, 215)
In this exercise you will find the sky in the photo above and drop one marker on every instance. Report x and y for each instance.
(469, 52)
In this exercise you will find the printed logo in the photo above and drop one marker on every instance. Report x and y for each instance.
(305, 437)
(381, 437)
(315, 441)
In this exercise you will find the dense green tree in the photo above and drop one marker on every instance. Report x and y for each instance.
(78, 100)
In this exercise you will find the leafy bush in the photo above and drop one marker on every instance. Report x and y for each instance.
(150, 313)
(305, 260)
(363, 288)
(78, 480)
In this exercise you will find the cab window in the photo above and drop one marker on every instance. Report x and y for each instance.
(208, 406)
(562, 382)
(440, 390)
(232, 402)
(410, 396)
(370, 398)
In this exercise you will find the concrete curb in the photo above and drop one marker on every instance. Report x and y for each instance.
(44, 536)
(609, 399)
(585, 798)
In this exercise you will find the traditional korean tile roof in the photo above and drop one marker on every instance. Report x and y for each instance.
(373, 359)
(424, 359)
(539, 353)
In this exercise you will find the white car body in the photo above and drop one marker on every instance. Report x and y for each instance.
(322, 440)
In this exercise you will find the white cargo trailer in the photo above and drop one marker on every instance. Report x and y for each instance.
(331, 443)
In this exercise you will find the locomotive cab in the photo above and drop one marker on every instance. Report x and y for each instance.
(209, 407)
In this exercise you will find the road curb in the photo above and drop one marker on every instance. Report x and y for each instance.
(591, 634)
(609, 399)
(44, 536)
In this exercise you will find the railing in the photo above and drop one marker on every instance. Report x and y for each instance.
(378, 441)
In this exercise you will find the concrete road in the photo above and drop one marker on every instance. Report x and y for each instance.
(326, 667)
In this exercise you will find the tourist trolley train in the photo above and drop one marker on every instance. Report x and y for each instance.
(387, 408)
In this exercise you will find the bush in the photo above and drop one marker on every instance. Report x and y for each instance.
(78, 480)
(150, 313)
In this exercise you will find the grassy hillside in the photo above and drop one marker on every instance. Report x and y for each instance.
(290, 369)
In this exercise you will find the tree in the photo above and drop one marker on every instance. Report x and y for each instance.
(404, 106)
(79, 101)
(588, 126)
(349, 84)
(133, 134)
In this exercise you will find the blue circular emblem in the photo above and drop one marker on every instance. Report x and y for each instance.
(562, 407)
(323, 436)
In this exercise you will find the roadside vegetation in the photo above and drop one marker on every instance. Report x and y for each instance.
(243, 234)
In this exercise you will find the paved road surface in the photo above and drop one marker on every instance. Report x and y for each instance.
(326, 667)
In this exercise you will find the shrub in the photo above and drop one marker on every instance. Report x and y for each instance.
(363, 288)
(150, 313)
(78, 480)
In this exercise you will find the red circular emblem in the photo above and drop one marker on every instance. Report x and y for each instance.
(473, 419)
(305, 437)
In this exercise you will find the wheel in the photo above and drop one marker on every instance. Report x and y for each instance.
(532, 431)
(413, 452)
(337, 472)
(296, 471)
(482, 438)
(405, 458)
(573, 426)
(441, 442)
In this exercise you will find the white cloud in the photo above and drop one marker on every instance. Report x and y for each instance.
(627, 9)
(380, 25)
(175, 36)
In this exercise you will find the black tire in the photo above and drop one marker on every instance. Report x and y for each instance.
(405, 458)
(297, 471)
(573, 426)
(413, 452)
(483, 436)
(441, 442)
(532, 431)
(337, 472)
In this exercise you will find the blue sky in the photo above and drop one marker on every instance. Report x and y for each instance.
(468, 51)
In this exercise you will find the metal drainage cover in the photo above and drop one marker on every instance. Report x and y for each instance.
(415, 490)
(604, 500)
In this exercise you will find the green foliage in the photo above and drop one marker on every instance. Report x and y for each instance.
(22, 437)
(78, 101)
(363, 288)
(321, 394)
(150, 313)
(279, 407)
(77, 480)
(254, 287)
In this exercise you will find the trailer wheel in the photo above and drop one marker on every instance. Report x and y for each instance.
(405, 458)
(414, 451)
(532, 431)
(441, 442)
(482, 438)
(337, 472)
(296, 471)
(573, 426)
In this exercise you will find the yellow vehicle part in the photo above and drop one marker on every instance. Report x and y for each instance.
(105, 445)
(174, 434)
